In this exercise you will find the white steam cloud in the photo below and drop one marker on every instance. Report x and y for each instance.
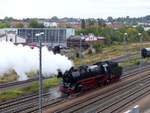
(23, 59)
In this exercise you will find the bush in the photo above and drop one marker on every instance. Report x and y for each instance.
(10, 94)
(34, 87)
(98, 47)
(137, 63)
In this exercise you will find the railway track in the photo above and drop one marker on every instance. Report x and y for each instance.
(26, 102)
(104, 103)
(124, 58)
(6, 86)
(92, 103)
(126, 100)
(29, 103)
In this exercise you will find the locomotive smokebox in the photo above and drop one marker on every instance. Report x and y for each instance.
(60, 74)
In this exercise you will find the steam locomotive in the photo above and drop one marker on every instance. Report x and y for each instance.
(89, 76)
(145, 52)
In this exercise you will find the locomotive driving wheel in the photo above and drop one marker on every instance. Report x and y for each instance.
(64, 94)
(79, 88)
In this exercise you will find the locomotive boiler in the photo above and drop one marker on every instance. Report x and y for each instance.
(88, 76)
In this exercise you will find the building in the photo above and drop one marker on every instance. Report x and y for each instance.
(50, 24)
(9, 34)
(84, 41)
(77, 41)
(12, 38)
(115, 25)
(51, 37)
(2, 33)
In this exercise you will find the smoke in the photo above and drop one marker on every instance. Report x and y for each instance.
(23, 59)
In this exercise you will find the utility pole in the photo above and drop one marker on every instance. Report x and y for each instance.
(6, 33)
(81, 38)
(125, 43)
(40, 75)
(141, 46)
(141, 58)
(16, 37)
(80, 49)
(39, 35)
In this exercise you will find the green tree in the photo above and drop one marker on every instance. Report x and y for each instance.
(19, 25)
(132, 34)
(54, 18)
(146, 37)
(110, 19)
(140, 29)
(91, 23)
(98, 47)
(148, 32)
(34, 24)
(83, 25)
(101, 22)
(116, 35)
(4, 25)
(8, 19)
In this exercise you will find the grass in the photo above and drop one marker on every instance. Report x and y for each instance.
(10, 94)
(12, 76)
(8, 77)
(14, 93)
(130, 63)
(107, 53)
(110, 52)
(52, 82)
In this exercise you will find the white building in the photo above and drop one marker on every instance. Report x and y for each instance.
(13, 38)
(50, 24)
(92, 37)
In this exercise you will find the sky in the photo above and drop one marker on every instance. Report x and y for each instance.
(73, 8)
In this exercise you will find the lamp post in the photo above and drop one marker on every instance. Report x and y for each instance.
(141, 58)
(39, 35)
(6, 33)
(81, 38)
(125, 43)
(15, 36)
(141, 46)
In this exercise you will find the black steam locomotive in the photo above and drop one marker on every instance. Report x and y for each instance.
(145, 52)
(86, 77)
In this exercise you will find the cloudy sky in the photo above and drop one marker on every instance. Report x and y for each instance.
(73, 8)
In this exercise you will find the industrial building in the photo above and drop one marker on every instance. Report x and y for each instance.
(51, 37)
(84, 41)
(9, 34)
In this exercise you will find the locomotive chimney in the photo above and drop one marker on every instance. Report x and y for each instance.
(59, 74)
